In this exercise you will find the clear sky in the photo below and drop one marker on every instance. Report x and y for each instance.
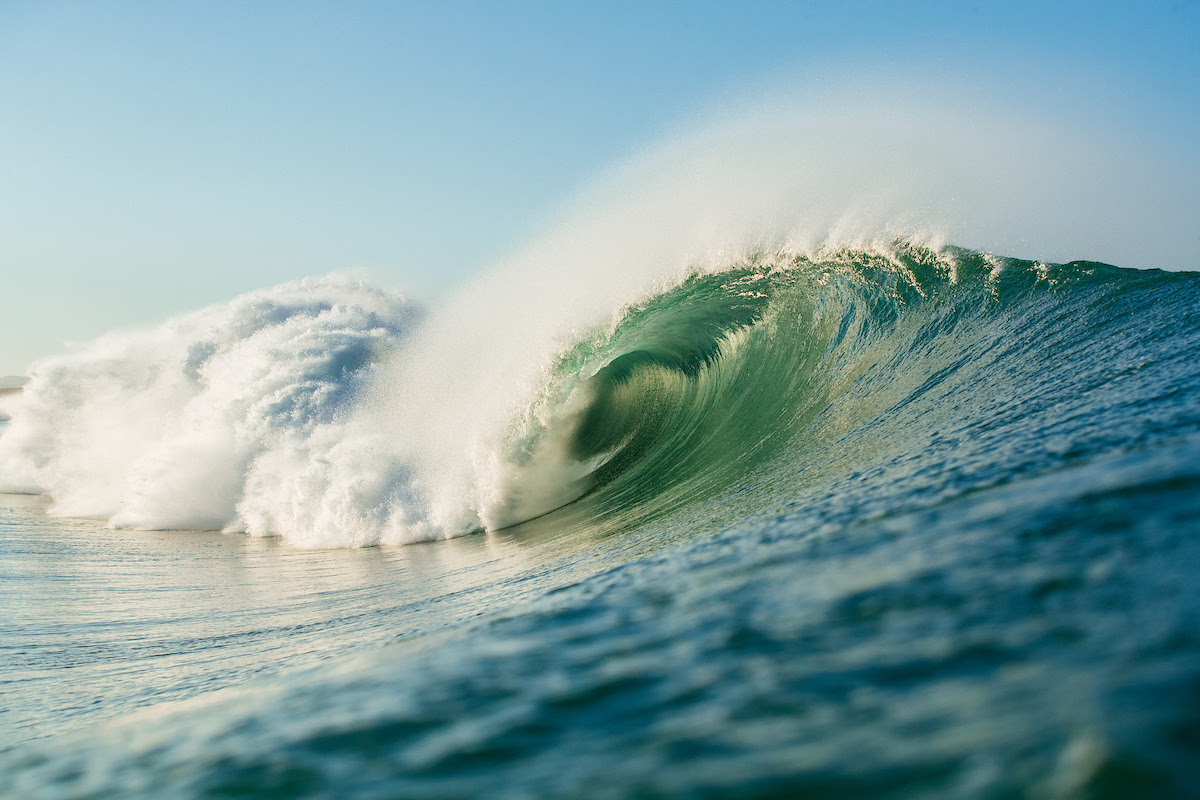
(156, 157)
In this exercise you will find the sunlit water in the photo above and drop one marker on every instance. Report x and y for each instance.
(926, 527)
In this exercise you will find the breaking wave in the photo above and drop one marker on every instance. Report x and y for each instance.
(298, 411)
(760, 290)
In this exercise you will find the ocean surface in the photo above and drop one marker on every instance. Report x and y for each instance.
(898, 521)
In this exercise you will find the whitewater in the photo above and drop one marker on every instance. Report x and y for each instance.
(773, 469)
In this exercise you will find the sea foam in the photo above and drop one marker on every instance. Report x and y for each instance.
(167, 427)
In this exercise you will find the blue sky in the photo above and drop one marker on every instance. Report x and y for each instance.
(157, 157)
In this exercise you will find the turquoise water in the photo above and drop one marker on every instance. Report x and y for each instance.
(910, 523)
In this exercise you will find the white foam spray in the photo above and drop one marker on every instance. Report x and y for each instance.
(159, 428)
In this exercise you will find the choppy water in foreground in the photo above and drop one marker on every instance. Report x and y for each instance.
(915, 525)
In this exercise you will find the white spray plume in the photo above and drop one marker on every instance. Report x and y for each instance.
(159, 428)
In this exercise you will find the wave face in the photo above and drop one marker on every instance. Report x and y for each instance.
(298, 412)
(788, 375)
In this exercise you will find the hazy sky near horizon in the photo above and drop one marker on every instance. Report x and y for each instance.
(158, 157)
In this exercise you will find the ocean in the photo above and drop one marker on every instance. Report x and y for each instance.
(897, 521)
